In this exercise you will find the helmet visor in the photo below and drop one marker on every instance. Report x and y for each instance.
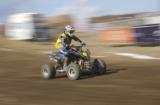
(71, 31)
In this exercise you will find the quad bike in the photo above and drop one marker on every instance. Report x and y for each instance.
(79, 61)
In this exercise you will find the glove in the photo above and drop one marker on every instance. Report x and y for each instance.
(83, 44)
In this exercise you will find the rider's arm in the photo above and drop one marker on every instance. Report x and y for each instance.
(76, 39)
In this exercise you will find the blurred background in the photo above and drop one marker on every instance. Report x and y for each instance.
(115, 22)
(124, 33)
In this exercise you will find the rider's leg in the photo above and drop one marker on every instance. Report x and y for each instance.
(65, 62)
(64, 52)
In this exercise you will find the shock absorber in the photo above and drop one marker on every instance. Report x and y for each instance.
(87, 64)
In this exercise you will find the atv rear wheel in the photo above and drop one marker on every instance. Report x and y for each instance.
(48, 71)
(73, 72)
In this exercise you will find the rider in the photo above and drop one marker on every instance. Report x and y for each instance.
(63, 42)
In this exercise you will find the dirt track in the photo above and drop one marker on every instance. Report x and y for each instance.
(129, 82)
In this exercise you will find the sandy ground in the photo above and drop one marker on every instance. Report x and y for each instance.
(129, 82)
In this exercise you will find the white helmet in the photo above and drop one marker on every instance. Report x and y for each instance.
(69, 29)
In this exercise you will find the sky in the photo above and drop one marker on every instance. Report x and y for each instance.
(80, 8)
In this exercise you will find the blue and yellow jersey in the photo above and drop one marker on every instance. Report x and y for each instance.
(65, 40)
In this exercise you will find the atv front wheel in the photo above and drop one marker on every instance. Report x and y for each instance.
(48, 71)
(73, 72)
(99, 66)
